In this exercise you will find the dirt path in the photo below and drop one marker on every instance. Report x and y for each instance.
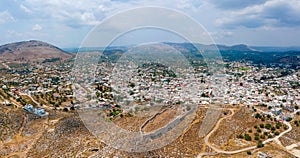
(280, 135)
(244, 149)
(206, 139)
(33, 100)
(36, 138)
(27, 141)
(291, 149)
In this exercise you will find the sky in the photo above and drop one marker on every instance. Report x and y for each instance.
(66, 23)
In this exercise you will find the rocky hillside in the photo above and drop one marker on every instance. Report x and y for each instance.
(31, 51)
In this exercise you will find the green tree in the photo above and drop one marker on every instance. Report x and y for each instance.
(240, 136)
(269, 107)
(257, 115)
(259, 130)
(296, 107)
(289, 119)
(248, 137)
(65, 109)
(256, 137)
(249, 152)
(273, 128)
(278, 125)
(268, 126)
(260, 144)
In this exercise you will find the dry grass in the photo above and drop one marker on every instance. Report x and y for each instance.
(69, 137)
(131, 123)
(225, 135)
(160, 120)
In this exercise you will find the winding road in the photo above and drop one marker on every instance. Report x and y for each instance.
(217, 150)
(206, 139)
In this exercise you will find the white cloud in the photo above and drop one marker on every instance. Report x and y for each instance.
(37, 27)
(227, 20)
(89, 18)
(69, 12)
(235, 4)
(25, 9)
(90, 12)
(228, 33)
(188, 5)
(273, 13)
(6, 17)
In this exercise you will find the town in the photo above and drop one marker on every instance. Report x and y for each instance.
(272, 97)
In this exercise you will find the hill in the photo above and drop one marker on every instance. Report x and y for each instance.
(31, 51)
(191, 47)
(275, 49)
(239, 47)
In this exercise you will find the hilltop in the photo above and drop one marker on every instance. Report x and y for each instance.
(31, 51)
